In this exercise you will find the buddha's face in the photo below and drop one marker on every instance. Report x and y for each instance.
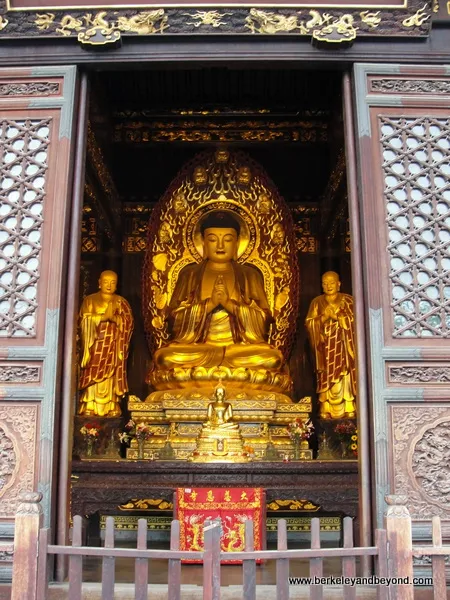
(220, 244)
(108, 282)
(220, 394)
(330, 283)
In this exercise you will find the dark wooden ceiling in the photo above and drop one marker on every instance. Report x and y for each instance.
(130, 111)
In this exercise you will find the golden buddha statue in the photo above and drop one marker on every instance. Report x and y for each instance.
(220, 413)
(106, 325)
(219, 437)
(330, 325)
(218, 313)
(220, 303)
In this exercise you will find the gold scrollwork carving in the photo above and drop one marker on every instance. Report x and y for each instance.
(44, 21)
(145, 23)
(99, 30)
(372, 19)
(323, 27)
(146, 504)
(208, 17)
(260, 21)
(417, 18)
(292, 504)
(340, 30)
(279, 432)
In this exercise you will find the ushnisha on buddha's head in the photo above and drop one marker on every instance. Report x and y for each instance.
(220, 233)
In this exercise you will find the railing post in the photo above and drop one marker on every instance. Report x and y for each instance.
(249, 566)
(211, 559)
(282, 567)
(28, 523)
(207, 560)
(399, 537)
(216, 535)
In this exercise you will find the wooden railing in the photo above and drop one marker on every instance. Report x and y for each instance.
(393, 557)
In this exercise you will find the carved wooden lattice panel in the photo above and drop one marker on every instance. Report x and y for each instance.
(416, 165)
(23, 168)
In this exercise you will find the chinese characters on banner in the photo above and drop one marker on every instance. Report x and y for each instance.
(233, 505)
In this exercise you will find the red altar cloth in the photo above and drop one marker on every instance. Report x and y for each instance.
(234, 506)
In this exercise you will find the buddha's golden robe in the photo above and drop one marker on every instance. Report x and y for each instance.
(233, 339)
(333, 343)
(219, 416)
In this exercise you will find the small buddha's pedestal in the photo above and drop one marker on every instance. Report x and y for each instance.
(178, 416)
(219, 445)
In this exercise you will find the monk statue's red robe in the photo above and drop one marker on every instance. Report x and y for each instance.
(104, 352)
(333, 345)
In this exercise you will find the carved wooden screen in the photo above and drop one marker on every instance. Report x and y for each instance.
(36, 117)
(404, 149)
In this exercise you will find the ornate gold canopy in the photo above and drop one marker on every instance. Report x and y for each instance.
(227, 181)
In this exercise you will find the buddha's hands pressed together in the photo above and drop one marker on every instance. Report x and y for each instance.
(220, 295)
(110, 315)
(329, 313)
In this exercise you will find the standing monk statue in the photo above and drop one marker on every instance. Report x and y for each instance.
(330, 325)
(106, 324)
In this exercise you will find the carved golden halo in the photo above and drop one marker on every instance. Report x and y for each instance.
(248, 236)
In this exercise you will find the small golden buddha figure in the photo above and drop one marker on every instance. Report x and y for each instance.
(263, 204)
(222, 155)
(200, 176)
(106, 324)
(330, 325)
(244, 175)
(218, 313)
(220, 438)
(220, 413)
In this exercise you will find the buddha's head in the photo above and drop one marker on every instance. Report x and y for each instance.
(219, 393)
(108, 282)
(330, 283)
(220, 233)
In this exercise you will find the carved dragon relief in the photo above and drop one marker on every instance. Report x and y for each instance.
(107, 27)
(421, 453)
